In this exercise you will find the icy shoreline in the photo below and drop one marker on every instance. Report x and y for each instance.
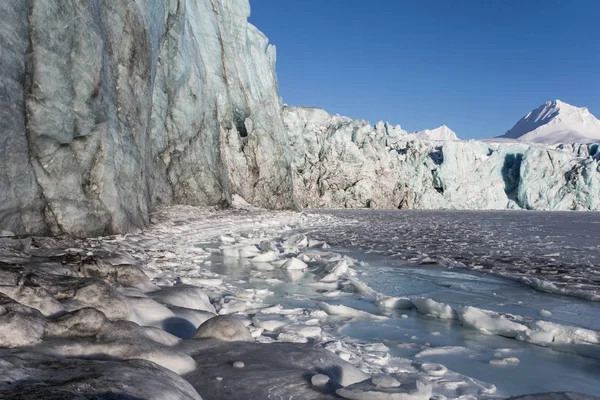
(85, 307)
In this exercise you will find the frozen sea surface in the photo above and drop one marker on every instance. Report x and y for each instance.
(422, 338)
(369, 317)
(557, 252)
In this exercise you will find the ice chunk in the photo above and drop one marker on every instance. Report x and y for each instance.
(199, 281)
(227, 239)
(148, 311)
(362, 288)
(367, 392)
(489, 322)
(226, 328)
(265, 257)
(445, 350)
(309, 331)
(296, 241)
(433, 369)
(505, 361)
(270, 322)
(385, 381)
(394, 302)
(319, 380)
(184, 296)
(126, 350)
(73, 378)
(558, 333)
(19, 325)
(294, 264)
(545, 313)
(435, 309)
(291, 337)
(336, 270)
(342, 310)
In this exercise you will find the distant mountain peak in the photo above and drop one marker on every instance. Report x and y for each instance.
(556, 122)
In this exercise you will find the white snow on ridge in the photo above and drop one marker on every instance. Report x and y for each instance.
(441, 133)
(556, 122)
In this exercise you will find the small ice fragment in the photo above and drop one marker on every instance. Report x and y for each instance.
(319, 380)
(219, 378)
(404, 316)
(226, 328)
(291, 337)
(505, 361)
(433, 308)
(443, 351)
(298, 240)
(434, 369)
(339, 309)
(385, 381)
(265, 257)
(227, 239)
(249, 251)
(394, 302)
(489, 322)
(294, 264)
(267, 245)
(378, 347)
(239, 364)
(270, 322)
(545, 313)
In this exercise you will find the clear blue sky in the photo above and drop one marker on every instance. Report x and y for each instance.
(477, 66)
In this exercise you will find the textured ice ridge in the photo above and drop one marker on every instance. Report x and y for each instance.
(340, 162)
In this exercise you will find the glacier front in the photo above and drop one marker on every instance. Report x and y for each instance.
(108, 109)
(341, 162)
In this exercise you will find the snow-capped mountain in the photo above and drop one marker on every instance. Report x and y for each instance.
(441, 133)
(556, 122)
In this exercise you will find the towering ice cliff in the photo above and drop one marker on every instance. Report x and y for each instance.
(340, 162)
(110, 107)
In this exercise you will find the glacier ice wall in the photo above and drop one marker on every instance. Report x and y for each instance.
(340, 162)
(110, 107)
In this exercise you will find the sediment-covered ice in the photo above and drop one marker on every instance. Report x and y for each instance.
(29, 375)
(227, 328)
(368, 392)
